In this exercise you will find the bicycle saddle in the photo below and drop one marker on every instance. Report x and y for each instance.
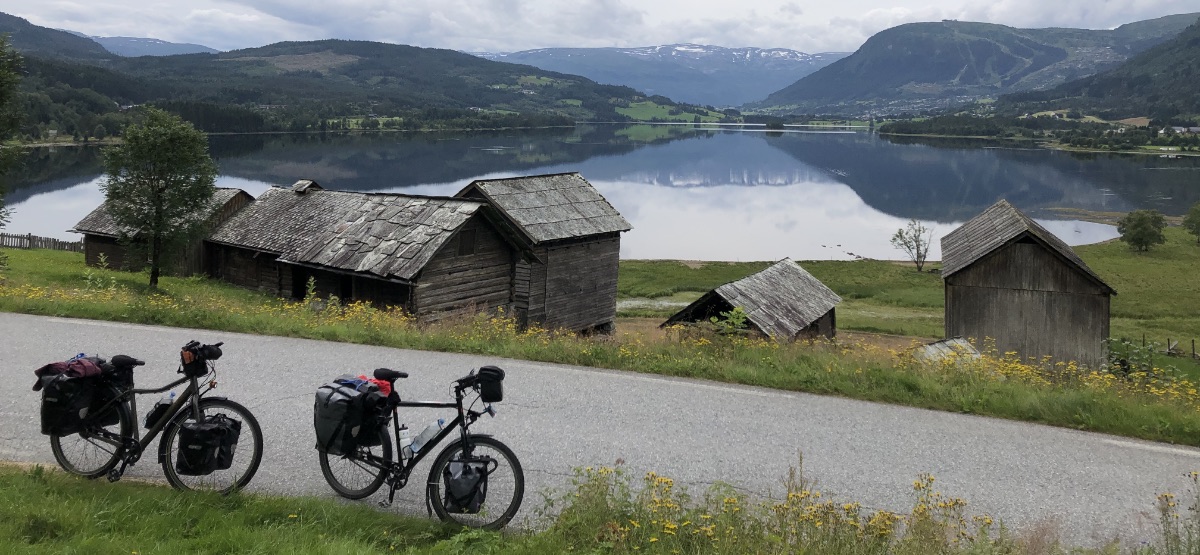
(125, 361)
(389, 375)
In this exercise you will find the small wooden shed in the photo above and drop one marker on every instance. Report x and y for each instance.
(1009, 280)
(429, 255)
(783, 302)
(101, 236)
(575, 237)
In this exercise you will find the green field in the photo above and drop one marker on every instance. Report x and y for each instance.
(1158, 293)
(651, 111)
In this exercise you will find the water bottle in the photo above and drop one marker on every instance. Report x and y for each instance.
(160, 407)
(406, 440)
(427, 434)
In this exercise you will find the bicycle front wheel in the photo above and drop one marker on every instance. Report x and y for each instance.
(505, 483)
(97, 448)
(246, 458)
(360, 473)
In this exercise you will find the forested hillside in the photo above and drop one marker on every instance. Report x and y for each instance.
(1162, 83)
(74, 87)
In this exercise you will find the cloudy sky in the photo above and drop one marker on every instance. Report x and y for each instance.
(510, 25)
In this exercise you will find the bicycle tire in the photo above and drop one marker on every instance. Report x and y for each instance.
(350, 475)
(102, 445)
(223, 481)
(505, 486)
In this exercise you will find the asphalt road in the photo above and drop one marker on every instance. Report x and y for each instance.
(557, 418)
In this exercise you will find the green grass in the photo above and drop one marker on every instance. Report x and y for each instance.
(603, 511)
(649, 110)
(51, 512)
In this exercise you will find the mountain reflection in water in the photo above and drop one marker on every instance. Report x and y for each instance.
(689, 193)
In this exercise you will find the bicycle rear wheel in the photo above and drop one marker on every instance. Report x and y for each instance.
(96, 449)
(360, 473)
(505, 484)
(246, 458)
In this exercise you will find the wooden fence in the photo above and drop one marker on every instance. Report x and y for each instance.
(31, 241)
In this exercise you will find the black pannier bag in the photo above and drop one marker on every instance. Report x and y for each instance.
(66, 402)
(465, 483)
(491, 387)
(229, 439)
(345, 415)
(207, 446)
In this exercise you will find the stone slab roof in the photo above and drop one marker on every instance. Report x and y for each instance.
(390, 236)
(100, 222)
(995, 227)
(550, 207)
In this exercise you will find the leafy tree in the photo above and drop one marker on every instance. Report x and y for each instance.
(10, 118)
(1191, 221)
(160, 181)
(914, 239)
(1142, 229)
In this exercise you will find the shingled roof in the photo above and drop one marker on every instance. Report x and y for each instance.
(781, 300)
(550, 207)
(387, 235)
(996, 227)
(100, 222)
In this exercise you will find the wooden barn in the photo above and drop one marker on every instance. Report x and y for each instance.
(783, 302)
(101, 236)
(1009, 280)
(429, 255)
(575, 237)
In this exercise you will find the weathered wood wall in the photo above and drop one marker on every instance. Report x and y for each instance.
(576, 288)
(113, 251)
(249, 269)
(473, 274)
(825, 326)
(1029, 301)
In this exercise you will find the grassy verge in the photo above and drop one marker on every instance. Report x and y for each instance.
(603, 511)
(1151, 402)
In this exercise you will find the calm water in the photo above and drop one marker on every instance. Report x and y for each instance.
(689, 193)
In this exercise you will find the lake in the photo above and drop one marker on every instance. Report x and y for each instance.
(690, 192)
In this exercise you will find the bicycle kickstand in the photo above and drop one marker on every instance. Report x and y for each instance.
(131, 456)
(391, 496)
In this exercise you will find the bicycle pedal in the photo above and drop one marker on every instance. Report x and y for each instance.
(385, 504)
(114, 475)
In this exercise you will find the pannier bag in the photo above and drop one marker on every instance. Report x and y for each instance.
(491, 387)
(465, 483)
(346, 415)
(207, 446)
(66, 402)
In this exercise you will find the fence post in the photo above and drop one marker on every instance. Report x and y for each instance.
(29, 241)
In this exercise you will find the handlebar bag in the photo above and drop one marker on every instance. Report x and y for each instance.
(491, 386)
(465, 483)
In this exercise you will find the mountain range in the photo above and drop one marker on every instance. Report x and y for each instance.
(918, 66)
(692, 73)
(74, 83)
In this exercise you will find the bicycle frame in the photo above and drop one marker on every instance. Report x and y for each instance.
(139, 444)
(399, 469)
